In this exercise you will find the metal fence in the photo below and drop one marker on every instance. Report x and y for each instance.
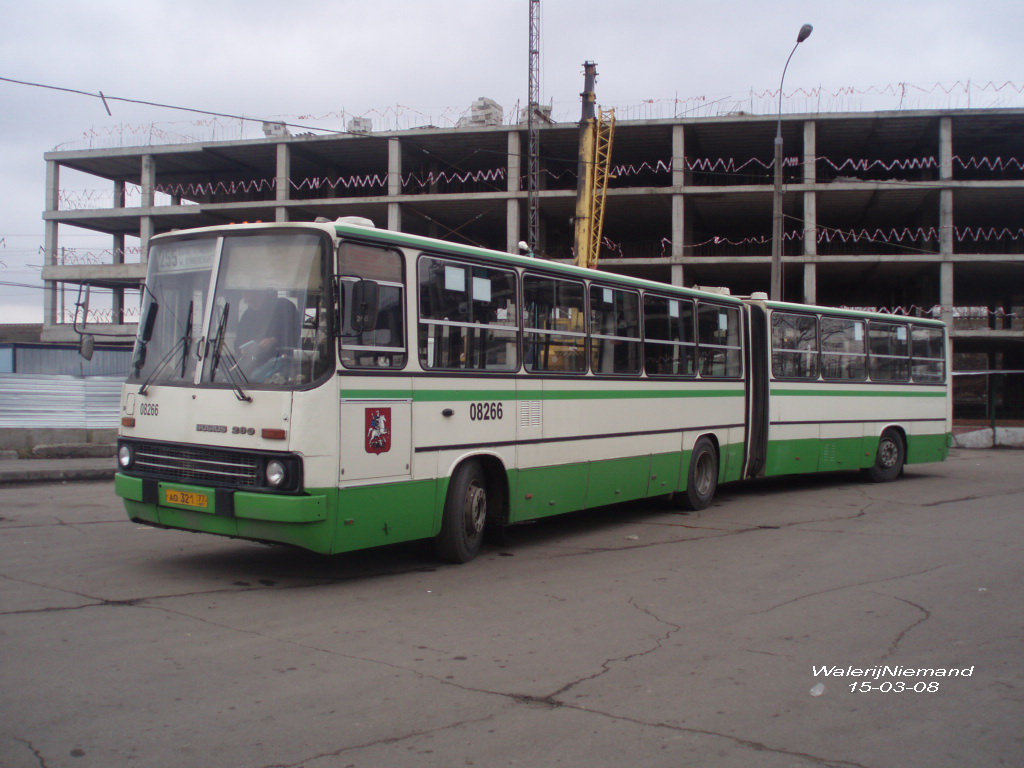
(59, 402)
(32, 359)
(989, 398)
(988, 409)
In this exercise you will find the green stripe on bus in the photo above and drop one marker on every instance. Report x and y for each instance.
(855, 393)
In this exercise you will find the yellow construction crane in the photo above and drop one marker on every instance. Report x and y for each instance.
(595, 157)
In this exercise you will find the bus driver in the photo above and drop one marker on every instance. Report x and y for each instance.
(266, 332)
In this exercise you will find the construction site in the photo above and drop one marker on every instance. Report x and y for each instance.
(908, 212)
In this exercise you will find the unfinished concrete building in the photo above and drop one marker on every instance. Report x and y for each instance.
(916, 211)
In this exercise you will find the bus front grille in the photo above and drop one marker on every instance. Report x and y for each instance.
(187, 464)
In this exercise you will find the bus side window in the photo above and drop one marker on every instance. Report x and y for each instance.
(554, 325)
(669, 346)
(794, 346)
(614, 330)
(718, 340)
(469, 317)
(844, 352)
(384, 346)
(889, 347)
(928, 352)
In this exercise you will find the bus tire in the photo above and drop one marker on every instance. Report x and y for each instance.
(465, 515)
(889, 458)
(702, 478)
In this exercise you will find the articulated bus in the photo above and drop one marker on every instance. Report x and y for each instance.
(335, 387)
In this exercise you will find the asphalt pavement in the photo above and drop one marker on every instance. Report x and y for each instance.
(810, 622)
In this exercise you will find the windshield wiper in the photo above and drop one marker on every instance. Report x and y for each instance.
(218, 351)
(183, 343)
(186, 340)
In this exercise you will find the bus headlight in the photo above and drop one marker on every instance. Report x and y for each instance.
(125, 457)
(277, 473)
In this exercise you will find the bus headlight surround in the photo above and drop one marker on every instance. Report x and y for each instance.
(125, 456)
(276, 473)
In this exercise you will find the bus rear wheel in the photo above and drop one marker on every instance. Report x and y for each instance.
(702, 479)
(889, 459)
(465, 515)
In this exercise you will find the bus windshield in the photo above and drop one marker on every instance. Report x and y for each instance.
(237, 311)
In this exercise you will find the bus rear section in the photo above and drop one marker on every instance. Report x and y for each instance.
(848, 390)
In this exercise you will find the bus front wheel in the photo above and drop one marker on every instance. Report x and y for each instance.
(889, 458)
(702, 479)
(465, 515)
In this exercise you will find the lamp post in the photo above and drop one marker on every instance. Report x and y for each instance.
(776, 293)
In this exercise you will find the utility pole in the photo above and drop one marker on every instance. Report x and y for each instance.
(533, 134)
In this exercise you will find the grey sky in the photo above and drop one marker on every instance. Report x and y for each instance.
(315, 58)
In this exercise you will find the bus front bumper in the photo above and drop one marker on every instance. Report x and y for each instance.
(292, 519)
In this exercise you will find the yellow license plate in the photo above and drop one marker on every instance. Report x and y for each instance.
(187, 498)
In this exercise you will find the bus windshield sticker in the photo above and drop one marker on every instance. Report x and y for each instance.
(378, 430)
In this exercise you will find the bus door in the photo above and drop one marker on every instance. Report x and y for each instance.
(757, 390)
(376, 439)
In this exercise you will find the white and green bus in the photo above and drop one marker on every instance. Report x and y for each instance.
(337, 387)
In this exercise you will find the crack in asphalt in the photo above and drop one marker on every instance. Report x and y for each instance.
(723, 532)
(992, 495)
(899, 638)
(378, 742)
(848, 586)
(606, 666)
(102, 602)
(57, 521)
(32, 748)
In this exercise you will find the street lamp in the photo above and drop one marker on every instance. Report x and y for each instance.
(776, 294)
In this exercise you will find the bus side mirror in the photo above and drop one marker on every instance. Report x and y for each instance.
(365, 301)
(87, 346)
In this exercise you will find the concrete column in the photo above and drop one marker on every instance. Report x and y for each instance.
(514, 163)
(679, 174)
(810, 291)
(394, 183)
(283, 181)
(51, 241)
(148, 179)
(118, 240)
(678, 237)
(946, 220)
(117, 246)
(810, 283)
(146, 227)
(946, 148)
(677, 274)
(810, 152)
(810, 223)
(679, 179)
(946, 292)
